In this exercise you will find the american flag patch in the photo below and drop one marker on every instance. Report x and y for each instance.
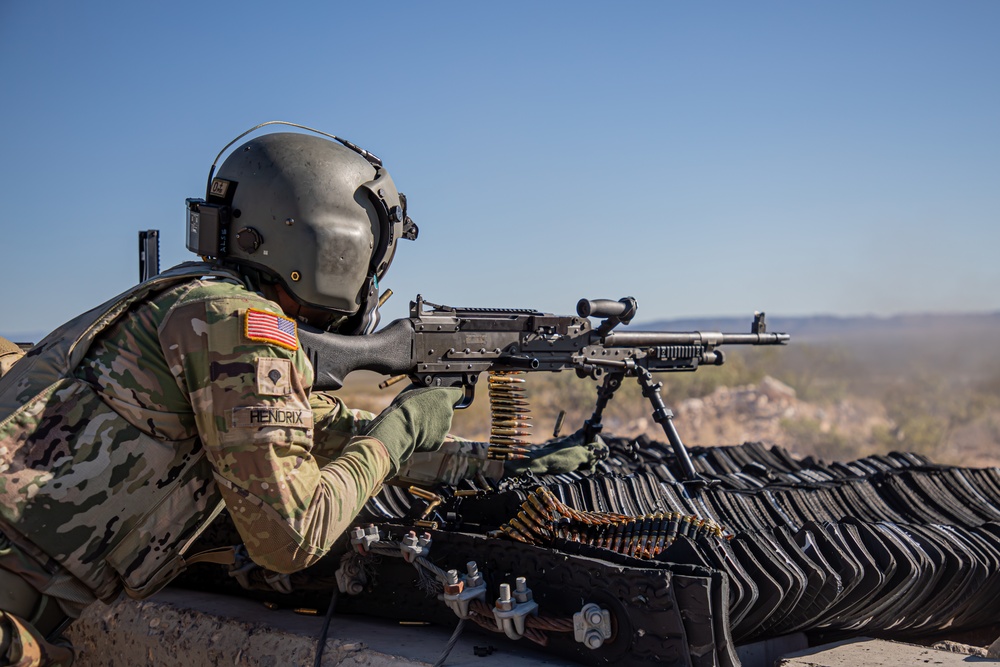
(265, 327)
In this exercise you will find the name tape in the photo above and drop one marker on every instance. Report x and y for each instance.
(257, 416)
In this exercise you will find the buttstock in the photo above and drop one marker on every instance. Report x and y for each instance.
(334, 356)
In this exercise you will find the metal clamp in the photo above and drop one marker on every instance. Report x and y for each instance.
(592, 626)
(459, 593)
(509, 613)
(242, 567)
(279, 581)
(364, 538)
(351, 578)
(413, 547)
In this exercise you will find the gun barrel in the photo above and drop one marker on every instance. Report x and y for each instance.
(707, 338)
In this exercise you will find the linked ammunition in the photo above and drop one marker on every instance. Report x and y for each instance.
(530, 518)
(513, 423)
(506, 457)
(619, 533)
(423, 493)
(504, 431)
(512, 402)
(498, 378)
(520, 528)
(508, 415)
(509, 450)
(504, 440)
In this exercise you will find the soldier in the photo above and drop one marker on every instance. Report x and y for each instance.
(125, 431)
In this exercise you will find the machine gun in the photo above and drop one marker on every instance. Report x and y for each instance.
(443, 346)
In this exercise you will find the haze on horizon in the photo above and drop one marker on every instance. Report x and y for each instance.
(834, 158)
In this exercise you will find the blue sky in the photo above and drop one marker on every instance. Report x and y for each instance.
(706, 158)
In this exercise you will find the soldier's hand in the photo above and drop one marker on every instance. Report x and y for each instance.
(566, 454)
(417, 420)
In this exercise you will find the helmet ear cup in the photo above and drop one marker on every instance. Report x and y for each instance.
(390, 206)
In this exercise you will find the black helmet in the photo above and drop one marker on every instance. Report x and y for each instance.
(321, 217)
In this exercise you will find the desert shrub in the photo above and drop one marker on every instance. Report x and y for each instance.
(816, 372)
(926, 408)
(810, 437)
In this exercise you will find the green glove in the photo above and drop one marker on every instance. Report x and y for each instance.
(566, 454)
(417, 420)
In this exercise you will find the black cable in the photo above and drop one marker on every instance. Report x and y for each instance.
(451, 643)
(321, 642)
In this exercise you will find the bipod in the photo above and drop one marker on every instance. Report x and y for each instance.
(593, 426)
(693, 482)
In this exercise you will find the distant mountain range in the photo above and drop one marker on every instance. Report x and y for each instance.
(962, 345)
(23, 336)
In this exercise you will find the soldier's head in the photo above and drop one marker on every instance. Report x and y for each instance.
(314, 217)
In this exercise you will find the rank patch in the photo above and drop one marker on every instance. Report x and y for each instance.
(265, 327)
(274, 376)
(263, 415)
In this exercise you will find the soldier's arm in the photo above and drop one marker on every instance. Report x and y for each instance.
(334, 425)
(251, 403)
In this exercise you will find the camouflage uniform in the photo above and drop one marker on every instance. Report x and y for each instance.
(123, 432)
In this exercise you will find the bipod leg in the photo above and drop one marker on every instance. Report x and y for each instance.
(593, 426)
(693, 482)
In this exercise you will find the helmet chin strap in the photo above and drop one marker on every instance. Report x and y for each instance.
(360, 323)
(321, 318)
(367, 318)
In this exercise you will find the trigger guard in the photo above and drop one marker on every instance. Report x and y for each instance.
(467, 381)
(467, 398)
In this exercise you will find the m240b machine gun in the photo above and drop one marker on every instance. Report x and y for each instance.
(450, 347)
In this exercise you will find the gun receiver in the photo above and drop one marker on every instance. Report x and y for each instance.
(444, 346)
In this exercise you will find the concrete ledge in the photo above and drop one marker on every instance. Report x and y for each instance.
(877, 653)
(192, 629)
(180, 628)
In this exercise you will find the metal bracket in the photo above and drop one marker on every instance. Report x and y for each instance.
(279, 581)
(592, 626)
(363, 538)
(459, 593)
(413, 547)
(509, 613)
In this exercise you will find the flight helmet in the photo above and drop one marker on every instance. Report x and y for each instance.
(312, 212)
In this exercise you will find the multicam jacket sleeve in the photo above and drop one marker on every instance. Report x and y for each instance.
(250, 393)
